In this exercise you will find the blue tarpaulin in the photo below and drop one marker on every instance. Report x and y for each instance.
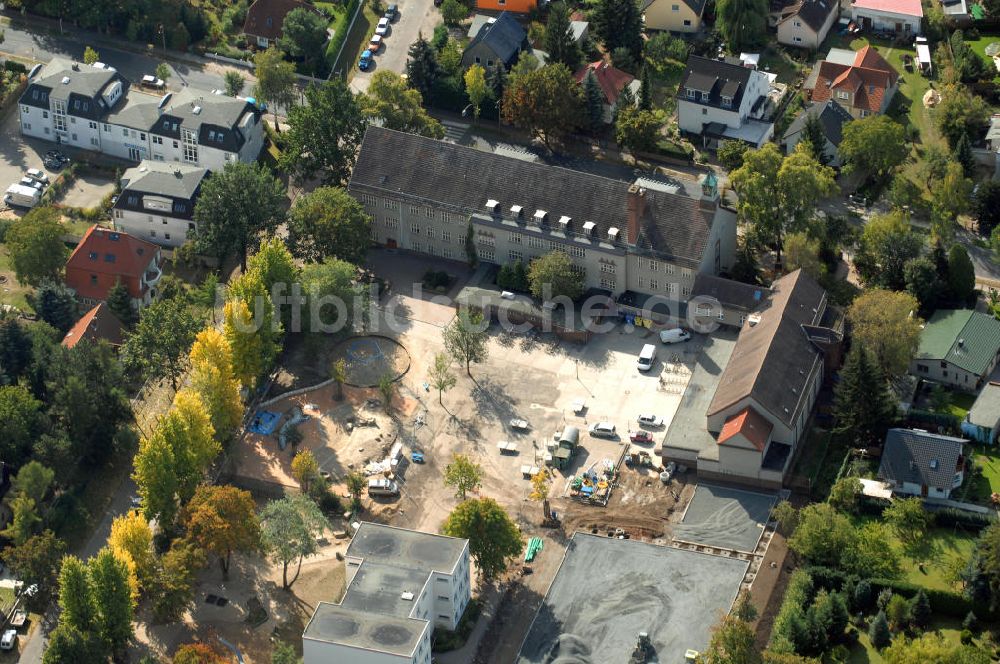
(264, 422)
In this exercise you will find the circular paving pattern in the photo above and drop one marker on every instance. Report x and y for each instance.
(370, 357)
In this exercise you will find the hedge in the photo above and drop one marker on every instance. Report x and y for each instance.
(797, 597)
(949, 517)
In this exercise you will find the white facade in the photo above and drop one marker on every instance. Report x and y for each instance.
(158, 227)
(740, 122)
(881, 19)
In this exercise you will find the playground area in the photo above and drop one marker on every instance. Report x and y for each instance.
(308, 360)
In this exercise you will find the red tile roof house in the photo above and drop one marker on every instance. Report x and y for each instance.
(265, 19)
(861, 82)
(611, 81)
(901, 17)
(97, 324)
(104, 257)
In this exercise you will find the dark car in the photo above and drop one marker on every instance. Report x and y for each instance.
(391, 12)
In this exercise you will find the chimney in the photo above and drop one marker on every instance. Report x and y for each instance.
(636, 209)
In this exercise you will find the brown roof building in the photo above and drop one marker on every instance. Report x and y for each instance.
(265, 19)
(98, 323)
(862, 82)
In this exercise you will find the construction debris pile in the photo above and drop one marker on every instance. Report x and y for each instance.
(595, 484)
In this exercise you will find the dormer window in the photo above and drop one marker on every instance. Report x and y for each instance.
(843, 95)
(691, 93)
(727, 102)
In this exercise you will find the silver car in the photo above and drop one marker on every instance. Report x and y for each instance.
(603, 430)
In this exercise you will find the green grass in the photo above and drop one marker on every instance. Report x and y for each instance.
(357, 41)
(11, 292)
(979, 45)
(961, 404)
(986, 482)
(665, 82)
(864, 653)
(778, 61)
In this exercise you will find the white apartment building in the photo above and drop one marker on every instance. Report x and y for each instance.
(646, 237)
(94, 109)
(157, 202)
(718, 100)
(401, 584)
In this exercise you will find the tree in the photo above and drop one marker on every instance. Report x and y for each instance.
(731, 152)
(787, 517)
(440, 374)
(908, 518)
(21, 421)
(553, 275)
(355, 483)
(131, 541)
(422, 69)
(645, 90)
(886, 245)
(822, 535)
(324, 134)
(76, 598)
(960, 113)
(289, 528)
(932, 648)
(284, 654)
(559, 42)
(36, 562)
(212, 377)
(223, 519)
(248, 346)
(863, 406)
(237, 205)
(303, 34)
(35, 247)
(233, 82)
(814, 134)
(90, 56)
(963, 155)
(885, 323)
(163, 72)
(618, 23)
(275, 81)
(463, 475)
(923, 283)
(465, 339)
(493, 537)
(329, 222)
(172, 592)
(475, 87)
(969, 65)
(158, 347)
(55, 303)
(986, 207)
(305, 469)
(778, 194)
(198, 653)
(120, 303)
(742, 23)
(875, 145)
(15, 349)
(879, 632)
(453, 12)
(897, 612)
(636, 129)
(961, 275)
(732, 642)
(920, 610)
(397, 106)
(546, 101)
(801, 251)
(593, 103)
(845, 494)
(387, 388)
(496, 80)
(662, 49)
(24, 521)
(950, 197)
(68, 644)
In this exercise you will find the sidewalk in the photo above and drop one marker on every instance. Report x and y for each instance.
(467, 653)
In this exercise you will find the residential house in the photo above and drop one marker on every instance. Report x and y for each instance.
(862, 82)
(648, 235)
(982, 423)
(993, 144)
(958, 348)
(96, 109)
(107, 257)
(498, 40)
(718, 100)
(832, 119)
(612, 82)
(806, 23)
(98, 324)
(516, 6)
(266, 19)
(918, 463)
(756, 419)
(896, 16)
(673, 15)
(157, 202)
(401, 586)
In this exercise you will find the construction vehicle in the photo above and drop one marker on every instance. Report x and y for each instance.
(644, 651)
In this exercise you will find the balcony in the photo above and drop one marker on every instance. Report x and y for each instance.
(152, 275)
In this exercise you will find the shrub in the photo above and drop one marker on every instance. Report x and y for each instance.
(966, 637)
(4, 226)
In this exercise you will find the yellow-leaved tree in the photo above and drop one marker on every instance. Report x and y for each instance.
(246, 344)
(213, 379)
(223, 519)
(131, 542)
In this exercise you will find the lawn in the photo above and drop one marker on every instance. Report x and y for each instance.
(984, 484)
(12, 292)
(864, 653)
(961, 404)
(979, 45)
(665, 82)
(356, 41)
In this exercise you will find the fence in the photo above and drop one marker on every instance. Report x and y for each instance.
(335, 66)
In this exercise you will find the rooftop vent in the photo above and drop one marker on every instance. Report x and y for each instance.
(516, 211)
(613, 234)
(407, 596)
(196, 110)
(65, 80)
(961, 343)
(177, 173)
(541, 216)
(588, 227)
(564, 222)
(493, 206)
(934, 464)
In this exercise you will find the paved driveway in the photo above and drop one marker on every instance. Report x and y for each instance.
(415, 17)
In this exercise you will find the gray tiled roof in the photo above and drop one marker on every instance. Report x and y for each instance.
(714, 76)
(985, 412)
(82, 87)
(504, 37)
(674, 226)
(920, 458)
(180, 182)
(728, 292)
(813, 12)
(774, 358)
(832, 117)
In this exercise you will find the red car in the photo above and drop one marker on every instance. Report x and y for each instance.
(640, 436)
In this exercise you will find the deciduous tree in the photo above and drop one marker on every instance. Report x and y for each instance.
(986, 207)
(172, 592)
(275, 80)
(732, 642)
(908, 518)
(76, 597)
(328, 222)
(960, 113)
(223, 519)
(303, 34)
(802, 251)
(21, 421)
(131, 541)
(247, 344)
(553, 275)
(233, 82)
(546, 101)
(465, 339)
(845, 494)
(493, 536)
(36, 562)
(885, 323)
(932, 648)
(636, 128)
(742, 23)
(305, 469)
(158, 346)
(398, 106)
(212, 377)
(324, 134)
(923, 283)
(475, 87)
(886, 245)
(199, 653)
(90, 56)
(875, 145)
(289, 528)
(441, 377)
(35, 247)
(463, 475)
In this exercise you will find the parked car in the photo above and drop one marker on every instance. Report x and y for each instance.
(640, 436)
(36, 174)
(391, 12)
(8, 640)
(674, 336)
(382, 28)
(29, 182)
(375, 44)
(602, 430)
(650, 420)
(366, 60)
(380, 486)
(150, 81)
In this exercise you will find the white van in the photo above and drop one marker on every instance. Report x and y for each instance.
(18, 195)
(674, 336)
(646, 357)
(380, 486)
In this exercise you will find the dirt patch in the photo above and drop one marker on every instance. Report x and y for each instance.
(769, 585)
(308, 358)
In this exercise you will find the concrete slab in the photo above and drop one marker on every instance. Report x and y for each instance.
(609, 590)
(724, 517)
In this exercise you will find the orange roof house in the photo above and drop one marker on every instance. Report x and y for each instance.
(862, 82)
(612, 82)
(516, 6)
(746, 426)
(266, 18)
(104, 257)
(98, 323)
